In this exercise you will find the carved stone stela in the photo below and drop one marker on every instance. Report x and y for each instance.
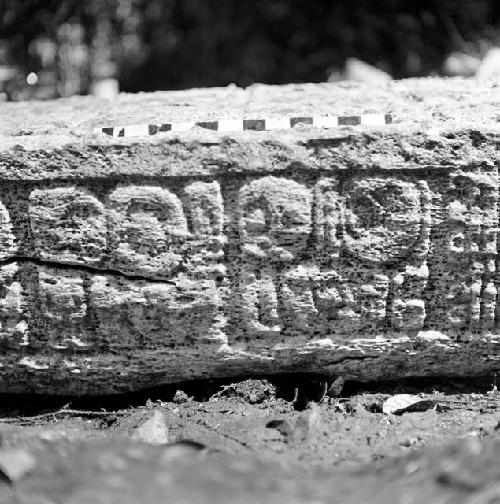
(366, 250)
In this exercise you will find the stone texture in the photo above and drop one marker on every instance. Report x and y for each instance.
(364, 252)
(68, 225)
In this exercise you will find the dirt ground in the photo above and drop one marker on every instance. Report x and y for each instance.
(287, 422)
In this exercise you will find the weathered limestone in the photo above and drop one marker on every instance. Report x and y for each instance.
(370, 252)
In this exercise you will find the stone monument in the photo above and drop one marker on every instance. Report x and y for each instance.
(367, 251)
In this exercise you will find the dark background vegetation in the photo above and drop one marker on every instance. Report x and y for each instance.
(171, 44)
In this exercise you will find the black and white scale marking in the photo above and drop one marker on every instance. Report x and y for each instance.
(233, 125)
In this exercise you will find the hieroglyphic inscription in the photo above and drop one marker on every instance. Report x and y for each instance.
(7, 238)
(131, 313)
(465, 249)
(68, 225)
(63, 307)
(356, 264)
(373, 237)
(274, 219)
(148, 228)
(13, 325)
(204, 209)
(344, 256)
(141, 230)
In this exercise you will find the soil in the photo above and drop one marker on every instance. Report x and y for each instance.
(280, 429)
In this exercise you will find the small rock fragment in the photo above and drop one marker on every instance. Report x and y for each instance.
(459, 64)
(153, 431)
(180, 397)
(402, 403)
(357, 70)
(15, 463)
(283, 426)
(490, 66)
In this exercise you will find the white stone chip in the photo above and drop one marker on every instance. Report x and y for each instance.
(153, 431)
(402, 403)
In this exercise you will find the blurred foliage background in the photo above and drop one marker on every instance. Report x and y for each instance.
(52, 48)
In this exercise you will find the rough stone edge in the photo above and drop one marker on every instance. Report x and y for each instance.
(429, 354)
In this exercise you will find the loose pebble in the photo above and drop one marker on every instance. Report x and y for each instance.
(153, 431)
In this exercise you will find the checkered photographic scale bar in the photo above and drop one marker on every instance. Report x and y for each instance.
(233, 125)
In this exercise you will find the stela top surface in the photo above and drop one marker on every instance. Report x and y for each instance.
(437, 123)
(415, 104)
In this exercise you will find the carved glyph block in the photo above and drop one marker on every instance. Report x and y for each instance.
(68, 225)
(63, 307)
(298, 295)
(7, 239)
(464, 262)
(13, 309)
(274, 216)
(204, 209)
(151, 315)
(372, 237)
(342, 257)
(354, 300)
(274, 222)
(258, 302)
(408, 305)
(382, 218)
(148, 228)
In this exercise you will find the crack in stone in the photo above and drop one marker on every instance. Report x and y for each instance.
(82, 268)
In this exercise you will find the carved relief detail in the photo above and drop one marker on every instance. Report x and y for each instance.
(150, 315)
(466, 249)
(205, 216)
(274, 222)
(13, 327)
(147, 230)
(372, 239)
(347, 255)
(382, 218)
(297, 289)
(63, 308)
(205, 208)
(351, 261)
(274, 218)
(408, 306)
(7, 239)
(68, 225)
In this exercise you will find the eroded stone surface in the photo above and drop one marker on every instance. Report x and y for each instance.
(132, 314)
(68, 225)
(63, 308)
(370, 253)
